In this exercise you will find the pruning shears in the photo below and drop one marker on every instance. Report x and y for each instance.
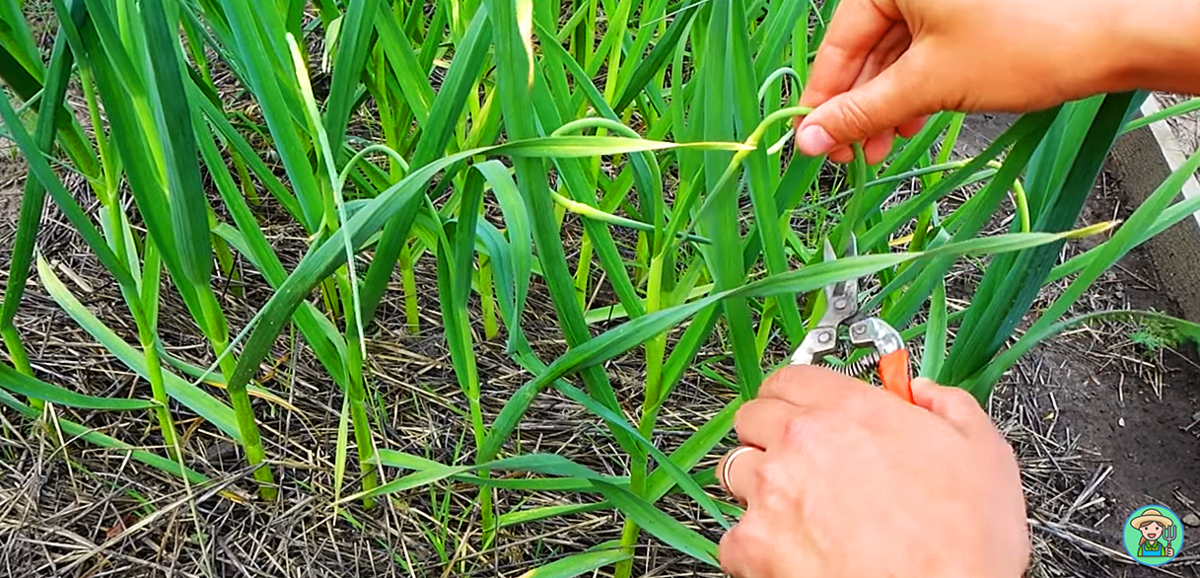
(889, 356)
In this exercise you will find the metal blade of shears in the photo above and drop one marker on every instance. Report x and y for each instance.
(841, 298)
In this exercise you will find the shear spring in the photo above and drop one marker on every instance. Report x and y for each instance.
(857, 369)
(890, 358)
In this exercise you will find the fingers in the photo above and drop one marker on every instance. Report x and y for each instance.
(739, 550)
(885, 102)
(861, 42)
(808, 386)
(890, 48)
(911, 127)
(731, 555)
(894, 43)
(875, 150)
(737, 471)
(763, 422)
(878, 146)
(764, 543)
(857, 28)
(952, 404)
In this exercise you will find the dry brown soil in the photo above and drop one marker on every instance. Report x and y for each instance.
(1119, 404)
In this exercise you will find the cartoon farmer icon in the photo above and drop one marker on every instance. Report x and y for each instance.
(1154, 525)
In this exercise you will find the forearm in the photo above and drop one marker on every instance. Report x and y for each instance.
(1158, 45)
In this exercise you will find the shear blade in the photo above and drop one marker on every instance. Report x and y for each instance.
(844, 289)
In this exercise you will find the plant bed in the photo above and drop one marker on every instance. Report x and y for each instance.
(1085, 375)
(1103, 411)
(1109, 403)
(290, 352)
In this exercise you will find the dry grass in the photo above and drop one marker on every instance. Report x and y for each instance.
(1186, 127)
(74, 510)
(78, 511)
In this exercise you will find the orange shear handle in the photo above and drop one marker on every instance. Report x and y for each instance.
(893, 372)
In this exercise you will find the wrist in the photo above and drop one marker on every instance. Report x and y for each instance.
(1152, 46)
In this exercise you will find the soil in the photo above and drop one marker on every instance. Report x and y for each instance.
(1073, 394)
(1122, 405)
(1152, 453)
(1126, 418)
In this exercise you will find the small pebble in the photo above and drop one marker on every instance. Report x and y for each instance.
(1191, 520)
(1121, 422)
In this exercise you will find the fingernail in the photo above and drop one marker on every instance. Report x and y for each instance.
(815, 141)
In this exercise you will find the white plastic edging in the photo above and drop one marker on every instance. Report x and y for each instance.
(1172, 151)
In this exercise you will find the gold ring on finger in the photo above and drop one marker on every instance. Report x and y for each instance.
(727, 464)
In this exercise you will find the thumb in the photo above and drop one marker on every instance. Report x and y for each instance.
(950, 403)
(883, 103)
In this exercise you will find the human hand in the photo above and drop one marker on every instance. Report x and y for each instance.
(847, 481)
(884, 64)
